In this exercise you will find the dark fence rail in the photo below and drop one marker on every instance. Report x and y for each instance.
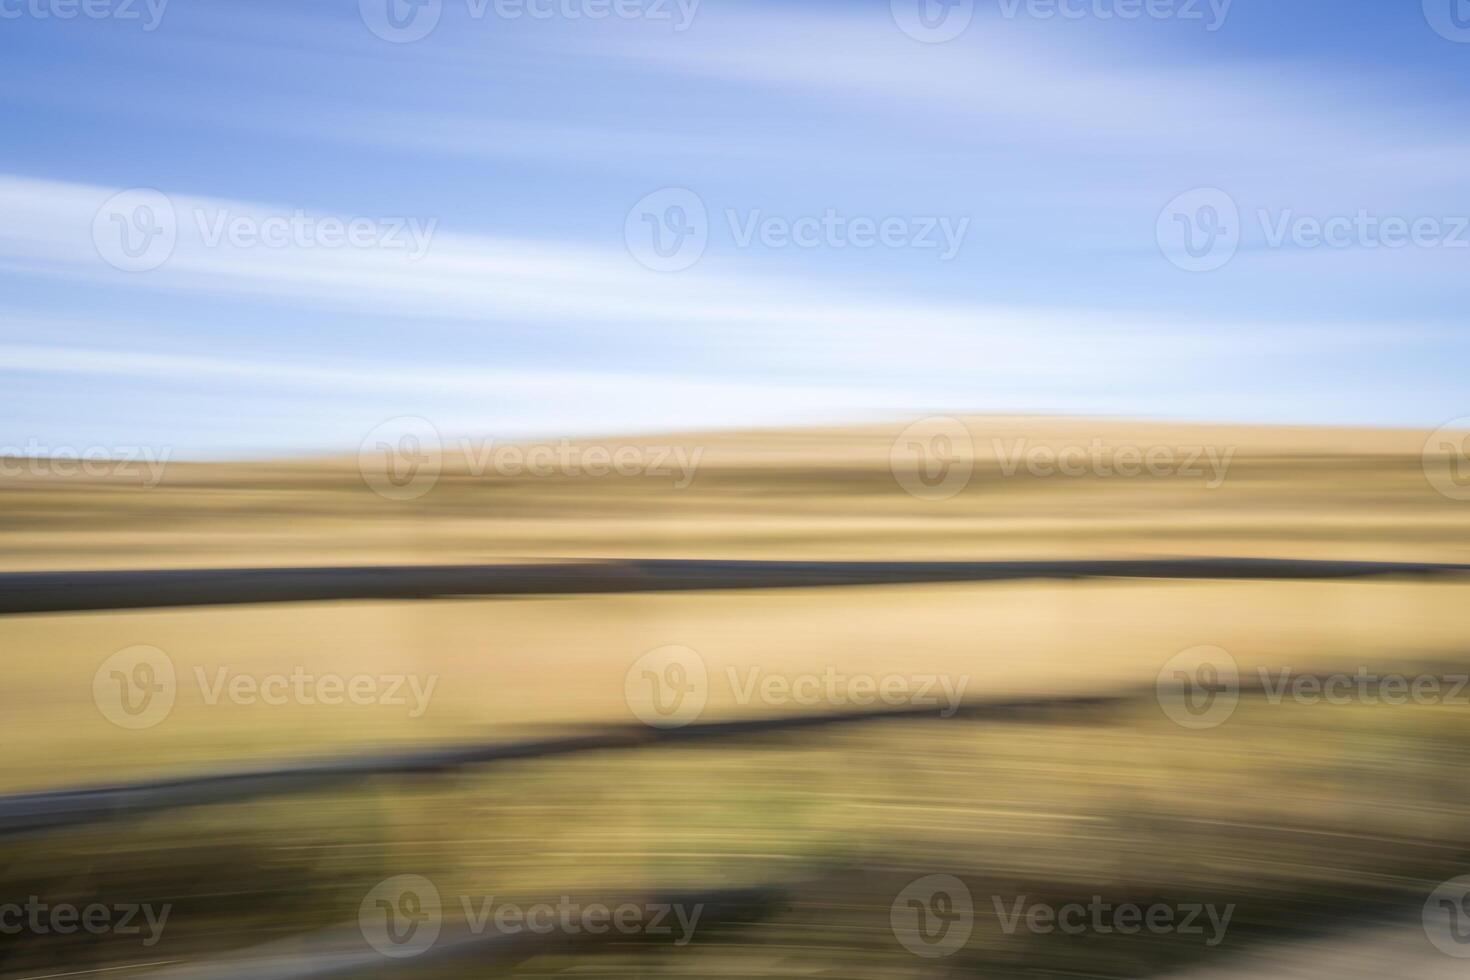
(339, 952)
(66, 591)
(58, 809)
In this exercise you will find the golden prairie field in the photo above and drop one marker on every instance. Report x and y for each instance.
(1298, 813)
(802, 493)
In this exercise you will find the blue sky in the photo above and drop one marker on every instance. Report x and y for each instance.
(518, 145)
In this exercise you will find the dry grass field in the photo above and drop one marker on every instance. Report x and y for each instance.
(1307, 817)
(804, 493)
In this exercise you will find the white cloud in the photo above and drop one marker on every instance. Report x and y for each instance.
(46, 227)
